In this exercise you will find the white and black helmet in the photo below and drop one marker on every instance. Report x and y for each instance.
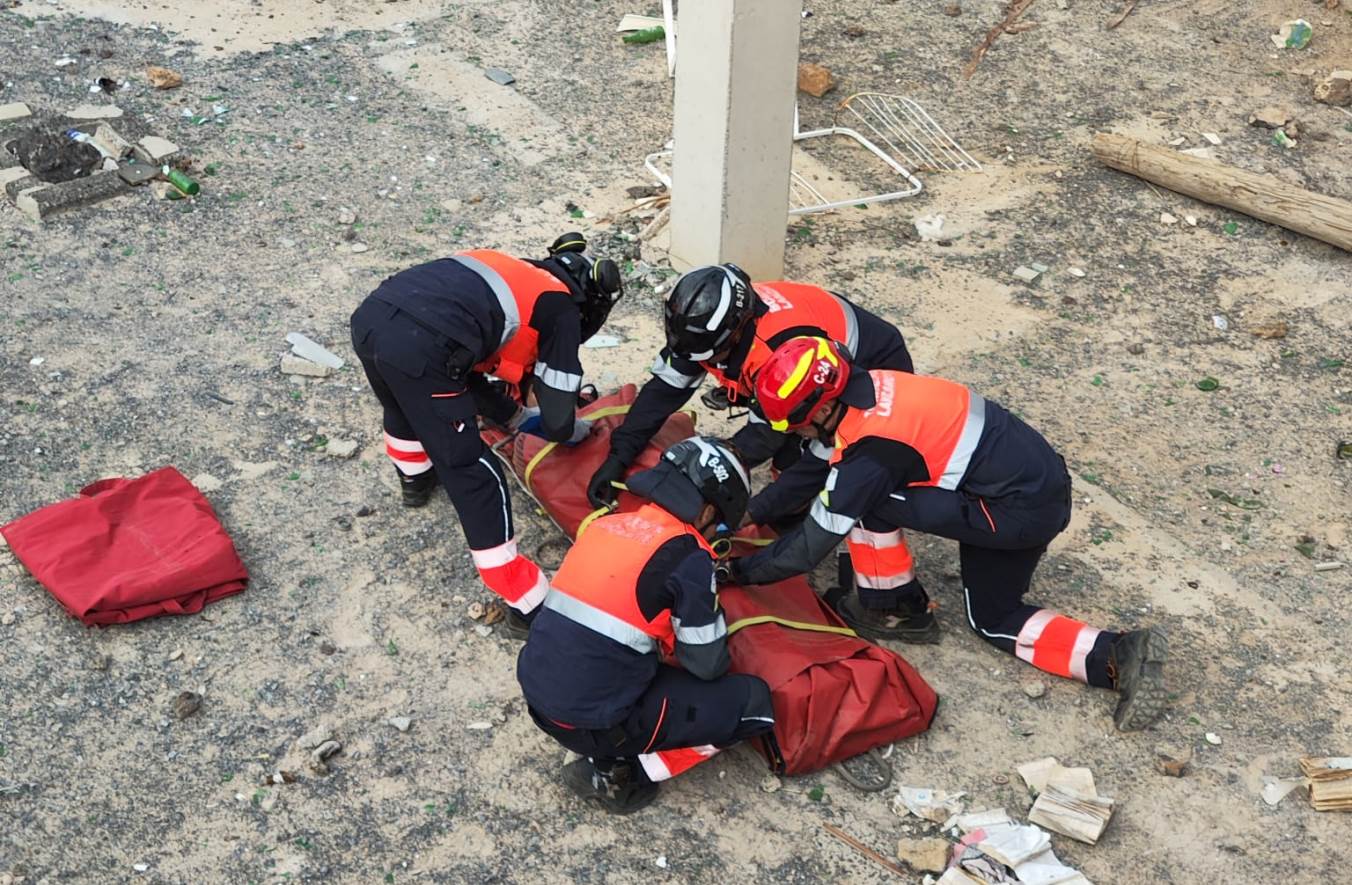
(694, 472)
(708, 308)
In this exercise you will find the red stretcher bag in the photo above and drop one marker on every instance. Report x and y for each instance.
(835, 695)
(128, 549)
(557, 475)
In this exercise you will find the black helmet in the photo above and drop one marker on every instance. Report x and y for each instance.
(694, 472)
(707, 310)
(595, 285)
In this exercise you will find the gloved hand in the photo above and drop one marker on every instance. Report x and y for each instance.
(526, 420)
(600, 492)
(581, 430)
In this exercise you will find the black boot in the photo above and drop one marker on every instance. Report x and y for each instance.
(617, 789)
(416, 490)
(918, 626)
(1136, 664)
(515, 624)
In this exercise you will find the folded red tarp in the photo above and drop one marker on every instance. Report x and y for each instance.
(835, 695)
(128, 549)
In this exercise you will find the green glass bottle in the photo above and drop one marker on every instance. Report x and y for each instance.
(180, 181)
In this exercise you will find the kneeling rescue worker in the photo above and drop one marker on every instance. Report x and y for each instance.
(720, 323)
(928, 454)
(428, 336)
(635, 590)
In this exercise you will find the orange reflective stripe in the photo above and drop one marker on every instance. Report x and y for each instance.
(1052, 649)
(881, 561)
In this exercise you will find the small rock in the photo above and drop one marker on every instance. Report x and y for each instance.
(186, 704)
(163, 78)
(1166, 218)
(327, 648)
(1270, 117)
(929, 227)
(814, 79)
(1211, 137)
(294, 365)
(475, 610)
(661, 861)
(1136, 348)
(102, 662)
(37, 361)
(175, 654)
(140, 867)
(1274, 329)
(476, 198)
(6, 619)
(346, 216)
(1034, 690)
(312, 739)
(320, 756)
(1191, 220)
(341, 448)
(1220, 322)
(205, 482)
(483, 630)
(952, 9)
(855, 31)
(499, 76)
(1026, 274)
(15, 110)
(365, 510)
(157, 149)
(95, 112)
(268, 802)
(349, 234)
(770, 784)
(479, 726)
(359, 247)
(925, 855)
(400, 722)
(1336, 89)
(1170, 762)
(640, 191)
(1076, 272)
(1213, 738)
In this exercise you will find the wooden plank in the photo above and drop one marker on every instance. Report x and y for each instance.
(1262, 196)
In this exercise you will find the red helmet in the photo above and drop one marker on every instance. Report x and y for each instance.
(800, 375)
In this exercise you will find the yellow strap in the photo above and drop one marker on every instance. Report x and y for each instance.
(607, 412)
(754, 542)
(793, 625)
(598, 512)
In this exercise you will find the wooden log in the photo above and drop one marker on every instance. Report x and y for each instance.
(1261, 196)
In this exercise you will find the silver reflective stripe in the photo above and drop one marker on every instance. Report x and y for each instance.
(668, 373)
(564, 381)
(966, 447)
(700, 635)
(832, 522)
(851, 341)
(511, 316)
(601, 622)
(820, 450)
(753, 418)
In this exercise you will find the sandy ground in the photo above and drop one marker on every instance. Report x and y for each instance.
(148, 315)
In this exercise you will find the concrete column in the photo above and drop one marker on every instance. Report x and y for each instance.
(736, 78)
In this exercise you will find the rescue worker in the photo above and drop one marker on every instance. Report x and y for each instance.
(928, 454)
(428, 336)
(720, 323)
(636, 591)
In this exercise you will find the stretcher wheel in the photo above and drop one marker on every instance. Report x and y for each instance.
(869, 771)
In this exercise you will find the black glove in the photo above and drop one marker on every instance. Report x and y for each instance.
(600, 492)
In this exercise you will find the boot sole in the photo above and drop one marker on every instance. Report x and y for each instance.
(1149, 697)
(928, 635)
(579, 781)
(417, 501)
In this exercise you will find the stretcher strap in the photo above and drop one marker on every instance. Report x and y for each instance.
(606, 412)
(792, 625)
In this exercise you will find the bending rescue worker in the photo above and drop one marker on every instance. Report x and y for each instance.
(928, 454)
(427, 336)
(720, 323)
